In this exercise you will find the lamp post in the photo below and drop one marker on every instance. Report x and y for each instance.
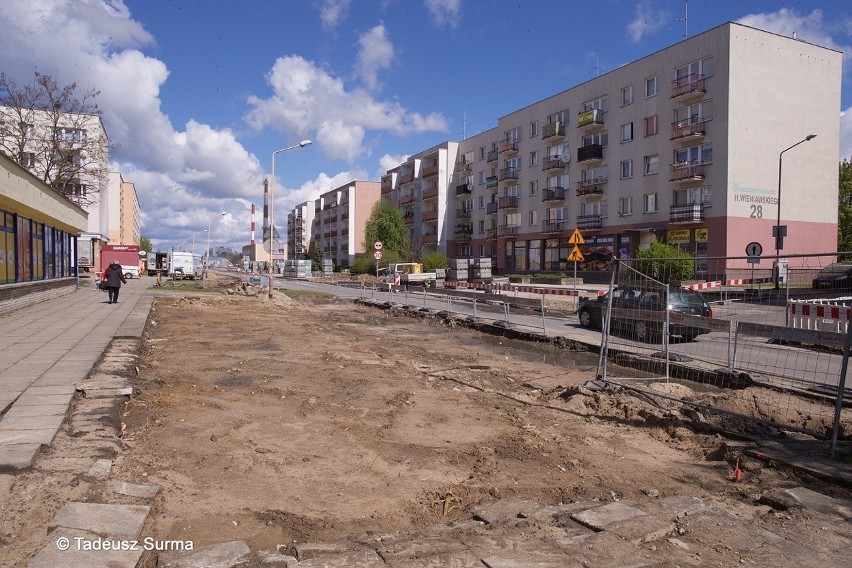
(780, 233)
(207, 254)
(301, 144)
(193, 239)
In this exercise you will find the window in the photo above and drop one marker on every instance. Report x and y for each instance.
(27, 159)
(481, 226)
(593, 176)
(481, 178)
(482, 202)
(594, 208)
(650, 202)
(561, 117)
(514, 135)
(700, 154)
(652, 125)
(534, 187)
(558, 151)
(533, 218)
(482, 152)
(652, 165)
(556, 214)
(626, 169)
(692, 196)
(601, 138)
(600, 103)
(627, 132)
(696, 70)
(481, 251)
(513, 190)
(533, 159)
(627, 96)
(557, 182)
(651, 87)
(533, 129)
(514, 163)
(693, 114)
(625, 206)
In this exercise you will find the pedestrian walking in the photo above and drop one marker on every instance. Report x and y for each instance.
(114, 276)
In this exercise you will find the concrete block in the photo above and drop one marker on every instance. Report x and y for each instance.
(32, 422)
(41, 410)
(14, 436)
(276, 559)
(223, 555)
(308, 550)
(808, 499)
(100, 470)
(27, 399)
(142, 490)
(118, 521)
(675, 507)
(505, 510)
(18, 456)
(462, 559)
(406, 548)
(108, 393)
(77, 555)
(598, 518)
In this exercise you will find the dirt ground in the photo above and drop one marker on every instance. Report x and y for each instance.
(314, 418)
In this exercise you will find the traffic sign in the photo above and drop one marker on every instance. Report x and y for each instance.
(576, 238)
(377, 245)
(576, 255)
(754, 249)
(377, 255)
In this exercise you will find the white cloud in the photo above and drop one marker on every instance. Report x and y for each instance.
(646, 20)
(444, 12)
(811, 27)
(308, 99)
(332, 12)
(376, 53)
(846, 135)
(389, 162)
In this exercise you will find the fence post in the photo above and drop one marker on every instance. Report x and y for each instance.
(474, 309)
(543, 319)
(841, 387)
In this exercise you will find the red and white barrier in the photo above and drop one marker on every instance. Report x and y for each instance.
(729, 282)
(508, 288)
(804, 314)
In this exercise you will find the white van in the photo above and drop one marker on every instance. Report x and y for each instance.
(184, 265)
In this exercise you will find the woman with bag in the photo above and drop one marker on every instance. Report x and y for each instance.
(114, 277)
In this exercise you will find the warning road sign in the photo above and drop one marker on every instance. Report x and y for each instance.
(576, 255)
(576, 238)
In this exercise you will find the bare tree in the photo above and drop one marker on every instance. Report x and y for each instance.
(57, 134)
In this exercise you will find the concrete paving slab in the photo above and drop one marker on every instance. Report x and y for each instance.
(366, 558)
(66, 379)
(223, 555)
(642, 529)
(119, 521)
(606, 550)
(41, 410)
(461, 559)
(32, 422)
(808, 499)
(80, 554)
(598, 518)
(35, 388)
(307, 550)
(275, 559)
(27, 399)
(142, 490)
(13, 436)
(100, 470)
(505, 510)
(108, 393)
(407, 548)
(526, 560)
(675, 507)
(18, 456)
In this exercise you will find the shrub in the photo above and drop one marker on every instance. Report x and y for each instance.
(435, 259)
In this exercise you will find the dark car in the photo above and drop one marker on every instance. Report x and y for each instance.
(835, 276)
(642, 311)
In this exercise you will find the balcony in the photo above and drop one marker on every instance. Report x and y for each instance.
(344, 214)
(464, 168)
(507, 231)
(686, 213)
(507, 174)
(553, 194)
(462, 236)
(693, 128)
(491, 233)
(590, 119)
(508, 202)
(591, 152)
(406, 178)
(430, 239)
(491, 156)
(553, 163)
(387, 187)
(691, 86)
(553, 130)
(430, 193)
(430, 215)
(687, 171)
(591, 186)
(464, 189)
(463, 213)
(589, 222)
(491, 182)
(430, 171)
(549, 226)
(510, 146)
(403, 199)
(491, 208)
(408, 217)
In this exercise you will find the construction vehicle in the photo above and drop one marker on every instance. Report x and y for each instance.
(157, 263)
(402, 273)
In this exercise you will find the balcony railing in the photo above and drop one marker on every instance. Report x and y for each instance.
(387, 188)
(430, 171)
(553, 194)
(462, 236)
(507, 146)
(492, 207)
(553, 163)
(553, 129)
(463, 213)
(590, 152)
(491, 156)
(507, 231)
(690, 85)
(692, 128)
(589, 222)
(686, 213)
(508, 173)
(430, 215)
(406, 199)
(491, 233)
(491, 182)
(591, 186)
(687, 171)
(591, 117)
(430, 238)
(549, 226)
(508, 202)
(430, 193)
(463, 189)
(406, 178)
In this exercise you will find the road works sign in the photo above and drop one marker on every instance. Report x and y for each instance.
(576, 238)
(576, 255)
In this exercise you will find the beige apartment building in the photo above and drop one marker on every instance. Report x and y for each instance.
(683, 146)
(339, 219)
(299, 223)
(123, 211)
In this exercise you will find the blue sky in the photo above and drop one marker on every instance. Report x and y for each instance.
(197, 94)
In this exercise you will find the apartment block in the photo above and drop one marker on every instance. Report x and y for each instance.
(339, 219)
(299, 223)
(123, 211)
(683, 146)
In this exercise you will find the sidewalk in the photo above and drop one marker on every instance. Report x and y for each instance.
(47, 349)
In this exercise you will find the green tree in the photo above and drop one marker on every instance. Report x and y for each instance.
(316, 261)
(844, 210)
(665, 263)
(386, 225)
(145, 244)
(434, 259)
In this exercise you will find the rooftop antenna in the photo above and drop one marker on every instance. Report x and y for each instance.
(685, 18)
(597, 64)
(464, 124)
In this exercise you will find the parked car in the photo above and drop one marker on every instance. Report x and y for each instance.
(835, 276)
(641, 310)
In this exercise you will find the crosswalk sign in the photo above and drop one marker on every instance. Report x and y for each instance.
(576, 238)
(576, 255)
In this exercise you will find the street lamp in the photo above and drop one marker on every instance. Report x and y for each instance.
(301, 144)
(779, 233)
(207, 255)
(193, 239)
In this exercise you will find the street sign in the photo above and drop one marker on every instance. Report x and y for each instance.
(576, 255)
(377, 245)
(377, 255)
(576, 238)
(754, 249)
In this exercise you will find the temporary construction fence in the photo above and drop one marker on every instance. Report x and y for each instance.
(779, 335)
